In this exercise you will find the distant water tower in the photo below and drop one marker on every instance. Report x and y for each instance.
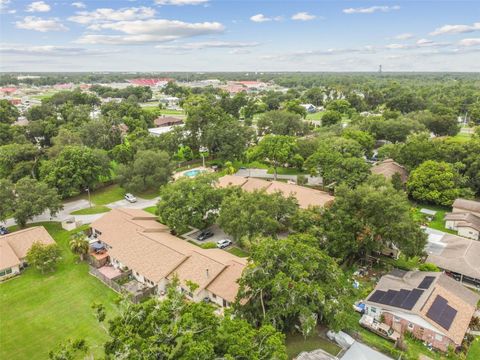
(379, 69)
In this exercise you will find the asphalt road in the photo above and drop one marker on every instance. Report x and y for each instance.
(71, 206)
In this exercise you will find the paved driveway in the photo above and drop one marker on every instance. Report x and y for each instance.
(218, 234)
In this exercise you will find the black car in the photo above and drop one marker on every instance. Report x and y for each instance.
(204, 235)
(3, 230)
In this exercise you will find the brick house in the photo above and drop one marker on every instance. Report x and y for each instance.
(430, 305)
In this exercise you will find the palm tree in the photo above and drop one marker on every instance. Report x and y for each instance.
(79, 246)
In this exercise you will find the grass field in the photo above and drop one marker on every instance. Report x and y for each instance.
(296, 343)
(315, 116)
(474, 351)
(151, 209)
(238, 252)
(97, 209)
(438, 221)
(112, 193)
(41, 311)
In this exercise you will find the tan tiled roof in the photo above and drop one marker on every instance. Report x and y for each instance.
(464, 220)
(459, 297)
(147, 247)
(388, 167)
(14, 246)
(305, 196)
(231, 180)
(465, 204)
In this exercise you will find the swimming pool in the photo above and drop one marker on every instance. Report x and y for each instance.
(192, 173)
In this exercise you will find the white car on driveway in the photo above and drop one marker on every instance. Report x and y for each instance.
(221, 244)
(130, 198)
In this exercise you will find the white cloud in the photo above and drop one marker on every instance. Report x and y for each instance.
(209, 45)
(396, 46)
(38, 6)
(371, 9)
(456, 29)
(239, 51)
(49, 50)
(108, 15)
(79, 5)
(469, 42)
(303, 16)
(39, 24)
(153, 30)
(259, 18)
(404, 36)
(180, 2)
(4, 7)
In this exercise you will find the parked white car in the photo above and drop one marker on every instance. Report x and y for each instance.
(221, 244)
(130, 198)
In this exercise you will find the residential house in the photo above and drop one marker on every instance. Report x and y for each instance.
(305, 196)
(388, 168)
(466, 206)
(430, 305)
(466, 224)
(15, 246)
(136, 241)
(163, 120)
(464, 218)
(456, 255)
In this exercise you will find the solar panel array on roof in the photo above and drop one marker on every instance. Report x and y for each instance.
(426, 282)
(412, 299)
(405, 299)
(442, 313)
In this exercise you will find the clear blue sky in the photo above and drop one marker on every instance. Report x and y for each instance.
(224, 35)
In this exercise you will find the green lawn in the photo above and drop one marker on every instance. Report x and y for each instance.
(296, 343)
(41, 311)
(151, 209)
(315, 116)
(438, 221)
(112, 193)
(474, 351)
(462, 137)
(238, 252)
(106, 195)
(97, 209)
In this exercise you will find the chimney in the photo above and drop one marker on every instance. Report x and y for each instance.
(206, 272)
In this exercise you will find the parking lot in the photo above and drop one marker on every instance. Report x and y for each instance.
(218, 234)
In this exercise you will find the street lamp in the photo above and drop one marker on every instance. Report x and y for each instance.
(89, 200)
(203, 150)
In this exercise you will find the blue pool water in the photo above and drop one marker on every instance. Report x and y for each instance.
(192, 173)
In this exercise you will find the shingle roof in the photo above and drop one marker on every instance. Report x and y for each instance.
(305, 196)
(14, 246)
(388, 167)
(147, 247)
(463, 300)
(465, 204)
(167, 121)
(464, 220)
(457, 254)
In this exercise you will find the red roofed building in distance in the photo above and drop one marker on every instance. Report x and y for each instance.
(150, 82)
(8, 90)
